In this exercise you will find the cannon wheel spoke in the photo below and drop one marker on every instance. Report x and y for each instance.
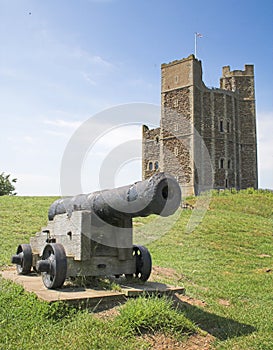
(143, 262)
(54, 254)
(25, 251)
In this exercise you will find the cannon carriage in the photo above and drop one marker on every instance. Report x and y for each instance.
(92, 234)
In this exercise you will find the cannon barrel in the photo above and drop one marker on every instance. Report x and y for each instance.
(160, 194)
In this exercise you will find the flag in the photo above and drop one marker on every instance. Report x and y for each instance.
(199, 35)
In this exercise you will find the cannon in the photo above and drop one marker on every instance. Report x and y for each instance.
(91, 235)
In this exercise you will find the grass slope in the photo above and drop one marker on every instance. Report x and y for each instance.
(227, 262)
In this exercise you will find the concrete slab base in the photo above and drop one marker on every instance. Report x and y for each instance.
(33, 283)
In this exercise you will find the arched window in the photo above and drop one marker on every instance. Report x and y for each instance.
(229, 164)
(156, 165)
(228, 126)
(150, 166)
(221, 163)
(156, 139)
(221, 126)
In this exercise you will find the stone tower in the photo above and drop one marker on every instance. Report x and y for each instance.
(207, 137)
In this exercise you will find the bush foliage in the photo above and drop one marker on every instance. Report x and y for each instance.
(6, 185)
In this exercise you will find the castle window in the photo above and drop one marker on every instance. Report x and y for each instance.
(221, 163)
(221, 126)
(226, 183)
(228, 126)
(156, 165)
(176, 151)
(229, 164)
(176, 79)
(175, 102)
(150, 166)
(156, 139)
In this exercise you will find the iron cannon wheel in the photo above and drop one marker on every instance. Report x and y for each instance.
(143, 262)
(25, 251)
(54, 255)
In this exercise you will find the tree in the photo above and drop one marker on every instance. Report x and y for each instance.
(6, 185)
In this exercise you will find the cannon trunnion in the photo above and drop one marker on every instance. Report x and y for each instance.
(92, 234)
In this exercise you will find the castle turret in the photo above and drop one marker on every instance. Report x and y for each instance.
(242, 83)
(179, 81)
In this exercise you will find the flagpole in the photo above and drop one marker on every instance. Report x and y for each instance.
(195, 45)
(196, 35)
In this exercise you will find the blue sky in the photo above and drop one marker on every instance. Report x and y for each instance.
(63, 61)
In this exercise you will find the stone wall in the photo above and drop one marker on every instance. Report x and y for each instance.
(150, 151)
(177, 123)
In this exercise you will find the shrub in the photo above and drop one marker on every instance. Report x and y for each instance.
(6, 185)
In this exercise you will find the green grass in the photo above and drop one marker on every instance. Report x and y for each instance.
(154, 314)
(227, 262)
(229, 257)
(27, 323)
(20, 218)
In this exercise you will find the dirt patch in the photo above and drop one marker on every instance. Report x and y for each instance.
(158, 271)
(108, 314)
(169, 273)
(224, 302)
(198, 342)
(264, 256)
(264, 270)
(190, 300)
(160, 341)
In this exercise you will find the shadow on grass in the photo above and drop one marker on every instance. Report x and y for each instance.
(220, 327)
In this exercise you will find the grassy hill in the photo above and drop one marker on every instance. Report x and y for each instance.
(226, 262)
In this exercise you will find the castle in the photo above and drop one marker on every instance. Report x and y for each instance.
(207, 137)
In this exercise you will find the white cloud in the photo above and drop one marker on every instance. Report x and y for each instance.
(36, 184)
(95, 60)
(87, 77)
(119, 135)
(56, 133)
(29, 139)
(112, 147)
(60, 123)
(99, 61)
(140, 82)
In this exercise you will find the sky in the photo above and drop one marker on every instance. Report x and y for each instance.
(63, 62)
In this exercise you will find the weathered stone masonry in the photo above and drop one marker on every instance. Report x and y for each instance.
(206, 135)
